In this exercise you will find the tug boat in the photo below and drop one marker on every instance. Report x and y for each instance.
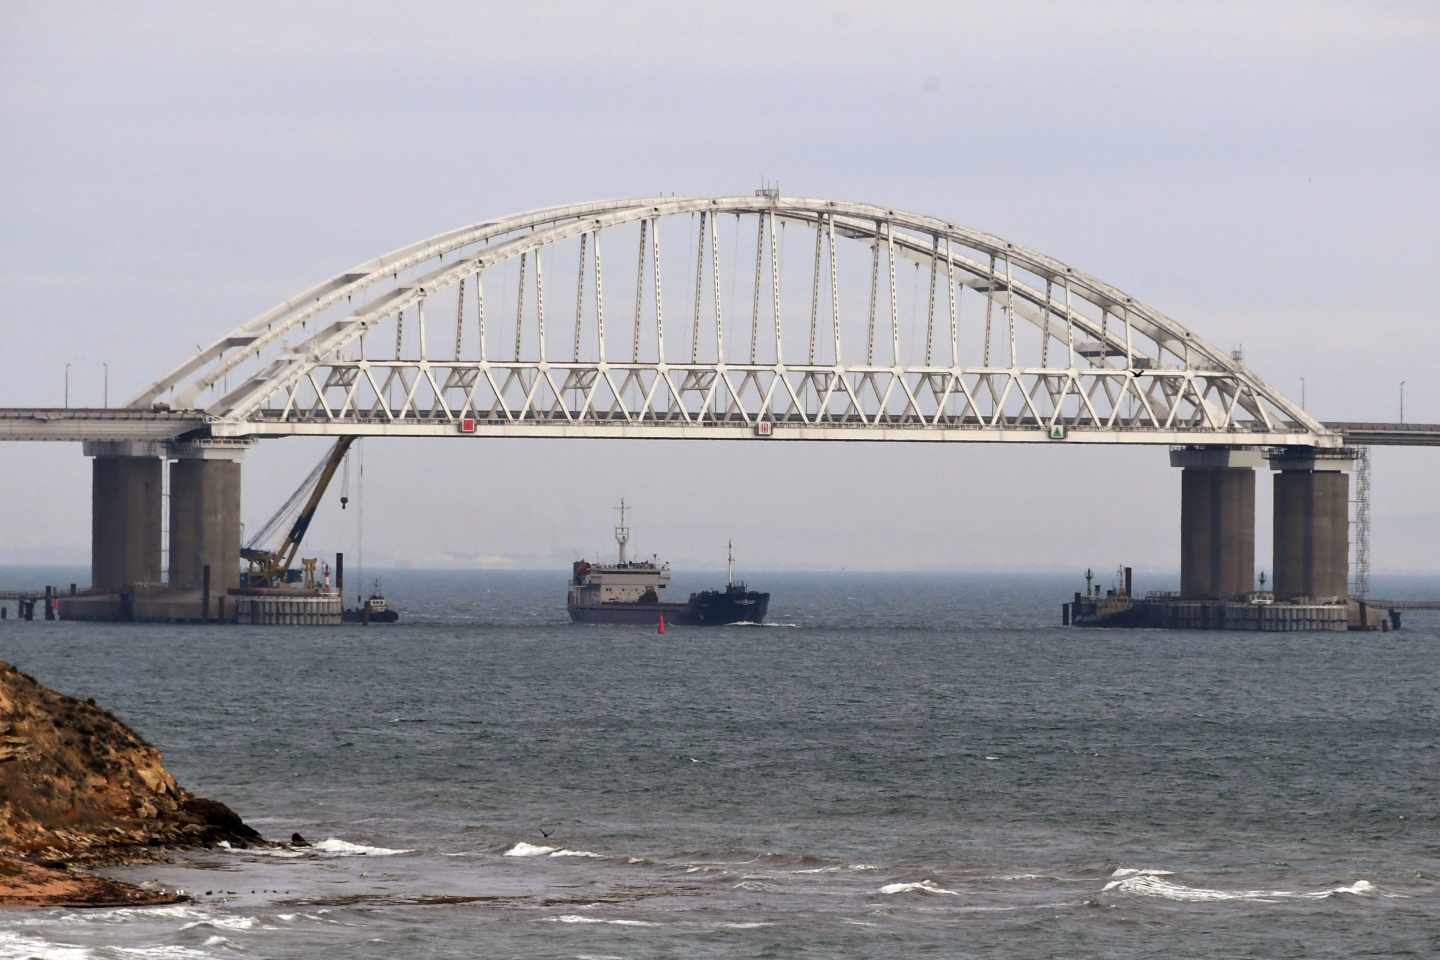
(632, 591)
(373, 610)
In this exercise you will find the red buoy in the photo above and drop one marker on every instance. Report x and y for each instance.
(660, 627)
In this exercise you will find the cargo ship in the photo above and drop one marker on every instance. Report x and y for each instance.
(632, 591)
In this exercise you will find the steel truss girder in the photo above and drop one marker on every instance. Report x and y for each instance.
(957, 403)
(306, 382)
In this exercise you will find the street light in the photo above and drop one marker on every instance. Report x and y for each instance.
(1402, 401)
(107, 382)
(67, 386)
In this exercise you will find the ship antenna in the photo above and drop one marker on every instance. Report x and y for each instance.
(622, 532)
(731, 562)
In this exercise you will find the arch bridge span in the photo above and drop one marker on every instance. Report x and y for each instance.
(727, 318)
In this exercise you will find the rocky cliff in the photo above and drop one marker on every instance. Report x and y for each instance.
(77, 786)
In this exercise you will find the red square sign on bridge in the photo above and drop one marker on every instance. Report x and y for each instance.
(467, 424)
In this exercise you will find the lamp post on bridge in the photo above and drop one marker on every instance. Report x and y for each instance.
(1402, 401)
(67, 386)
(106, 365)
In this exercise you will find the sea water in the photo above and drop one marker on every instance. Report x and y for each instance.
(896, 766)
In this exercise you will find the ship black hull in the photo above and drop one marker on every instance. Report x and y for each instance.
(718, 607)
(709, 609)
(358, 616)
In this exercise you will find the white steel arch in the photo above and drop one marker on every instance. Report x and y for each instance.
(1015, 345)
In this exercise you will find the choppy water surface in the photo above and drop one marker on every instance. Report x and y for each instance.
(900, 767)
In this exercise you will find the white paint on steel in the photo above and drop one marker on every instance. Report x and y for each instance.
(299, 374)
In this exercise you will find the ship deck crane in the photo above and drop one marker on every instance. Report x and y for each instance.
(271, 567)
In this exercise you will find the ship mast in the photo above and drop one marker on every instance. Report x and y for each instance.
(730, 559)
(622, 532)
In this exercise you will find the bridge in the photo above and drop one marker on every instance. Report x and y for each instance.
(780, 319)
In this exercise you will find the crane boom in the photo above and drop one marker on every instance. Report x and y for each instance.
(272, 565)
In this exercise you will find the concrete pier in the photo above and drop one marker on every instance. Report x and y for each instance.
(1312, 534)
(205, 517)
(125, 499)
(1217, 521)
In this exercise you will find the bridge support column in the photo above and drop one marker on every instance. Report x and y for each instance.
(205, 515)
(1217, 521)
(125, 503)
(1312, 523)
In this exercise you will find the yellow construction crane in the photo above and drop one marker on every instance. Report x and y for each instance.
(270, 568)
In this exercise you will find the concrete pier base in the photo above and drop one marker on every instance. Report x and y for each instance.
(125, 505)
(1217, 521)
(128, 482)
(1312, 524)
(205, 517)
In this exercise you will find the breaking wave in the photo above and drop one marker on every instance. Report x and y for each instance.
(14, 946)
(1121, 872)
(929, 887)
(523, 849)
(1152, 883)
(344, 848)
(222, 922)
(576, 918)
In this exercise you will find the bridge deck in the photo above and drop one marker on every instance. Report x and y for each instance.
(94, 424)
(1388, 434)
(80, 423)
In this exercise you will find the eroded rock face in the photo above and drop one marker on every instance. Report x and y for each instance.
(78, 785)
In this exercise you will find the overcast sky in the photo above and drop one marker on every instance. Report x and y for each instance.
(1264, 173)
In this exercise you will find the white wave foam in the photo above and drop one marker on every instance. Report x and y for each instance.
(576, 918)
(1358, 888)
(852, 868)
(115, 915)
(1120, 872)
(920, 886)
(13, 946)
(283, 853)
(523, 849)
(344, 848)
(752, 623)
(751, 925)
(216, 941)
(1153, 884)
(223, 922)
